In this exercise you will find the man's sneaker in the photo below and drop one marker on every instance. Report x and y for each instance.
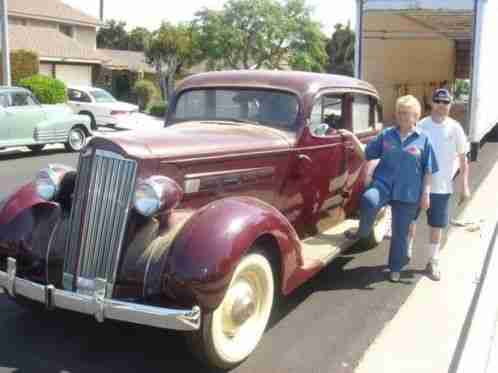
(394, 276)
(433, 271)
(351, 235)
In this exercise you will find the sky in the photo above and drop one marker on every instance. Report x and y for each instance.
(150, 13)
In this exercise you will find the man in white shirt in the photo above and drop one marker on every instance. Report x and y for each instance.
(449, 143)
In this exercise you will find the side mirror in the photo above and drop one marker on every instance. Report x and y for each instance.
(320, 130)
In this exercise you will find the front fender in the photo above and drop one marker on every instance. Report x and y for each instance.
(21, 200)
(26, 238)
(209, 246)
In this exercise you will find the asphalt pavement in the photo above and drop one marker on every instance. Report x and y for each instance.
(324, 326)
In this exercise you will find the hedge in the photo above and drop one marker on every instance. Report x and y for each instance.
(23, 64)
(145, 91)
(47, 90)
(158, 109)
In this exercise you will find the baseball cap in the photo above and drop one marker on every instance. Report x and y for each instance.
(442, 95)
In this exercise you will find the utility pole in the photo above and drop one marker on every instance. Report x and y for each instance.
(358, 56)
(101, 10)
(4, 30)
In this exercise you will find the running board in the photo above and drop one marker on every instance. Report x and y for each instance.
(325, 246)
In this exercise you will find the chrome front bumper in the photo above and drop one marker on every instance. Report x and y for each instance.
(98, 306)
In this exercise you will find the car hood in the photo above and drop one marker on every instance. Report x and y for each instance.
(58, 109)
(197, 140)
(119, 105)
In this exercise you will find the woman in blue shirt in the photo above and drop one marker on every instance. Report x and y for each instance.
(402, 178)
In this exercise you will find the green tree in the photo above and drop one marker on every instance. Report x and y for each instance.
(171, 47)
(340, 50)
(261, 34)
(138, 39)
(113, 35)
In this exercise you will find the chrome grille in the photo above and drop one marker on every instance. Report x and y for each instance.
(102, 199)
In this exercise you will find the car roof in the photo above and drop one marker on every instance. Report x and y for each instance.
(5, 88)
(301, 83)
(83, 88)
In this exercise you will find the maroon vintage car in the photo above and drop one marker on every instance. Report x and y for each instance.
(242, 197)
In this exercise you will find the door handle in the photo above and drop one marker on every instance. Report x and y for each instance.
(304, 157)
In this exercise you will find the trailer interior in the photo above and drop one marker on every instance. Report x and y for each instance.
(414, 47)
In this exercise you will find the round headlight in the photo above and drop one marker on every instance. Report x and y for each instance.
(155, 194)
(48, 181)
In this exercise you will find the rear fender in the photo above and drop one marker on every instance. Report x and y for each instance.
(206, 250)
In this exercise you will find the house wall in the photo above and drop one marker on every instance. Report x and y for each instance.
(86, 36)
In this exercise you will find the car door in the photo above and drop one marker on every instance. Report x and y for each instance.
(314, 200)
(365, 114)
(25, 113)
(4, 119)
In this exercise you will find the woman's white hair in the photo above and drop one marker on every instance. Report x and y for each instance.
(411, 102)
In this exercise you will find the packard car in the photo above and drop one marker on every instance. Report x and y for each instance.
(242, 197)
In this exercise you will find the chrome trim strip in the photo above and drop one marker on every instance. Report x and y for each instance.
(98, 306)
(267, 170)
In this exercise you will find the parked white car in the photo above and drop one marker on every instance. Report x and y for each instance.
(102, 108)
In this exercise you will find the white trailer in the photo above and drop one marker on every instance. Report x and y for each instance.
(416, 46)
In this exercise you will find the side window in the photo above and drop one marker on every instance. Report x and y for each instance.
(22, 99)
(78, 96)
(332, 111)
(377, 111)
(326, 114)
(362, 121)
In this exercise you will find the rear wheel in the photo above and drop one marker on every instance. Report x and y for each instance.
(76, 139)
(36, 148)
(231, 332)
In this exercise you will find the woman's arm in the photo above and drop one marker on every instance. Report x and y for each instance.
(358, 147)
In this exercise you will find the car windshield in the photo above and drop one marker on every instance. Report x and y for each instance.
(102, 96)
(269, 108)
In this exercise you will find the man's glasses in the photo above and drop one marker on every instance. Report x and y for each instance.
(441, 102)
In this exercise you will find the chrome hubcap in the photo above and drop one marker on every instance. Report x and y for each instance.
(76, 138)
(239, 306)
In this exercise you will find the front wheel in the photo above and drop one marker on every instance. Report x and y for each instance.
(231, 332)
(76, 139)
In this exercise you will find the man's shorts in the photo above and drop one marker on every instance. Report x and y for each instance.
(438, 212)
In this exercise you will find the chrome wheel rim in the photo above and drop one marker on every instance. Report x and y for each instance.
(76, 139)
(240, 321)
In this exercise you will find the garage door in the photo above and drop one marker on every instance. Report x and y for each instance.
(74, 74)
(46, 69)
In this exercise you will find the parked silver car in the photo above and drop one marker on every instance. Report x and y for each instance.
(24, 122)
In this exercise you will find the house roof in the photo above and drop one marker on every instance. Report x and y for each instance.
(126, 60)
(52, 10)
(50, 44)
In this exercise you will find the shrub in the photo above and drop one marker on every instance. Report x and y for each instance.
(47, 90)
(145, 91)
(158, 109)
(23, 63)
